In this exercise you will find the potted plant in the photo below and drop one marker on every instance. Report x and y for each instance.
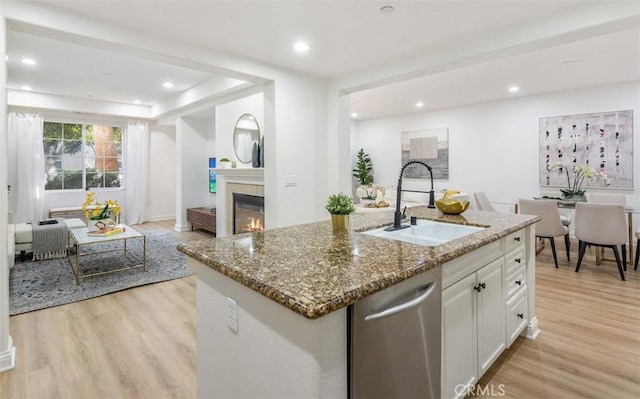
(225, 163)
(362, 173)
(340, 206)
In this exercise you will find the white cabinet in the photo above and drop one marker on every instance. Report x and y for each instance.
(473, 327)
(459, 336)
(490, 309)
(485, 307)
(515, 292)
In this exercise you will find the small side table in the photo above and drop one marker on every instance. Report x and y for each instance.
(202, 218)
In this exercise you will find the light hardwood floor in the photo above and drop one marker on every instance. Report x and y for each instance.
(140, 343)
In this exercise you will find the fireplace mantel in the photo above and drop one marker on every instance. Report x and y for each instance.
(241, 174)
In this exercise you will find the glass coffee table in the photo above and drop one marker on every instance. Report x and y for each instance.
(80, 239)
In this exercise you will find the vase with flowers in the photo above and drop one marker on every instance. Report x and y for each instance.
(576, 176)
(99, 215)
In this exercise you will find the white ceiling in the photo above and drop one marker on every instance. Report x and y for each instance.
(346, 38)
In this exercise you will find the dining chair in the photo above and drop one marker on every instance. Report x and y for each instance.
(482, 202)
(601, 225)
(607, 198)
(550, 226)
(635, 264)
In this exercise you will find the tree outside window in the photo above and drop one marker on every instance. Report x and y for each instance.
(79, 156)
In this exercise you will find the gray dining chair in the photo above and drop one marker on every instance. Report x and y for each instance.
(601, 225)
(550, 226)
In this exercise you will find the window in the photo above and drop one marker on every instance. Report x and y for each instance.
(81, 156)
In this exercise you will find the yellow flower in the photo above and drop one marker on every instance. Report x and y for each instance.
(94, 210)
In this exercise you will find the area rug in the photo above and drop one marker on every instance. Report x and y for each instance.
(39, 285)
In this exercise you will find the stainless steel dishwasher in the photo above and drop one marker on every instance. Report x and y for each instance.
(394, 340)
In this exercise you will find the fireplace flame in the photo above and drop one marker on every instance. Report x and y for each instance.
(254, 225)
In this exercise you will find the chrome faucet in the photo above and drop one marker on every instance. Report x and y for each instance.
(398, 216)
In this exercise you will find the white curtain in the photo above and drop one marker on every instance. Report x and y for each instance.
(26, 174)
(137, 172)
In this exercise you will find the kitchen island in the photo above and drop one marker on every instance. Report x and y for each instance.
(286, 336)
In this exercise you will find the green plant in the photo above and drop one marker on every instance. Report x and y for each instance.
(362, 172)
(224, 160)
(340, 204)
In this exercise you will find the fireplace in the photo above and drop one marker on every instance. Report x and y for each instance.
(248, 213)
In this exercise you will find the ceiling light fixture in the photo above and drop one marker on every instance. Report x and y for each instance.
(354, 115)
(168, 85)
(301, 47)
(386, 9)
(26, 88)
(29, 61)
(137, 102)
(514, 89)
(419, 104)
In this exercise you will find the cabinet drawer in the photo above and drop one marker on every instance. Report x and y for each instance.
(513, 240)
(515, 281)
(514, 259)
(517, 317)
(459, 268)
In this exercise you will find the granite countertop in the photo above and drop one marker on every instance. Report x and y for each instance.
(312, 272)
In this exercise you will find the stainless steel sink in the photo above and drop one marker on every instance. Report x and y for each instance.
(427, 232)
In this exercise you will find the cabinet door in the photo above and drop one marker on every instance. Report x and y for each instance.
(491, 314)
(459, 343)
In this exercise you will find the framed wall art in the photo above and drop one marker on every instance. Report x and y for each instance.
(602, 141)
(430, 146)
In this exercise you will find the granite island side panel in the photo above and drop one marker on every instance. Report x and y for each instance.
(313, 272)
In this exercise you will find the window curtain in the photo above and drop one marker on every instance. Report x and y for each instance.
(137, 172)
(26, 174)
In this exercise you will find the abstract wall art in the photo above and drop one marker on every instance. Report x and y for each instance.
(430, 146)
(602, 141)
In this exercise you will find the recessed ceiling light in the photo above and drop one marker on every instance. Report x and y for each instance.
(26, 88)
(29, 61)
(354, 115)
(168, 85)
(137, 102)
(301, 47)
(386, 9)
(513, 89)
(419, 104)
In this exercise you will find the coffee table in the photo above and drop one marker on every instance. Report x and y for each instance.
(81, 239)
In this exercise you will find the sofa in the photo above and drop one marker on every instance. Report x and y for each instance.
(23, 234)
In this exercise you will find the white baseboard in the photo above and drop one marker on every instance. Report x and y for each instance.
(185, 227)
(8, 358)
(532, 329)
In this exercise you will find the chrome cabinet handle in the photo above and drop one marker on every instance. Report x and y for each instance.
(428, 290)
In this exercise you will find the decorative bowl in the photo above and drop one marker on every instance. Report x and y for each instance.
(452, 206)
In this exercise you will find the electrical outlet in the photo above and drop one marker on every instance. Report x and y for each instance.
(290, 180)
(232, 314)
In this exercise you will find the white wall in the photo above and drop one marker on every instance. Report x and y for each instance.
(494, 146)
(162, 172)
(194, 143)
(7, 350)
(226, 117)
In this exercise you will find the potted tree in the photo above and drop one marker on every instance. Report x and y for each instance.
(340, 206)
(362, 173)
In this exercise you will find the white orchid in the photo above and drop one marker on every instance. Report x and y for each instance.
(580, 173)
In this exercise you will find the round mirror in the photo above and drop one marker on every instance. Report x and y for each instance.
(245, 134)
